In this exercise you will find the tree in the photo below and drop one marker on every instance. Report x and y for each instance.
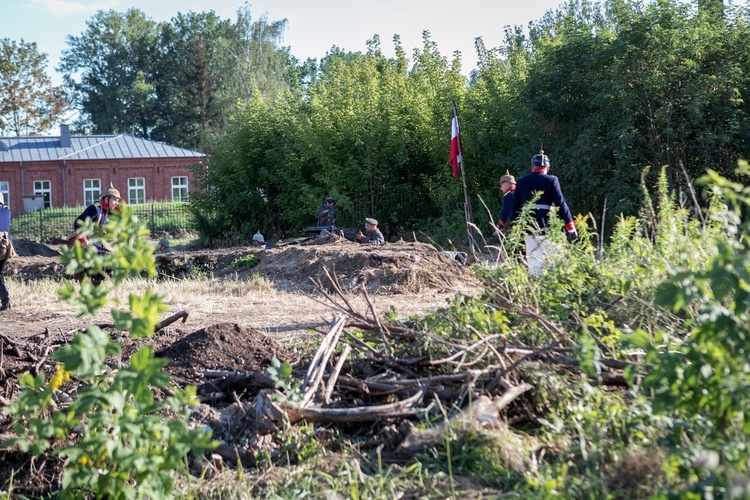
(193, 107)
(109, 70)
(29, 103)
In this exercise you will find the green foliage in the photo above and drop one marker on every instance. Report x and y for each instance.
(175, 81)
(29, 104)
(118, 439)
(366, 130)
(281, 374)
(491, 458)
(702, 376)
(248, 261)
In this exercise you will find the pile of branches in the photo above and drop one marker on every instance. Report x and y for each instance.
(366, 370)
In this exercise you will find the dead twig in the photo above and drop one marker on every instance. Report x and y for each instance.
(399, 409)
(482, 409)
(168, 321)
(335, 373)
(38, 365)
(381, 329)
(14, 350)
(320, 360)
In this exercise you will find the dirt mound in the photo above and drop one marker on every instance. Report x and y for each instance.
(35, 267)
(391, 268)
(224, 346)
(27, 248)
(403, 267)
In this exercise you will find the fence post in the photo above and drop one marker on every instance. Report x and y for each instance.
(153, 219)
(41, 224)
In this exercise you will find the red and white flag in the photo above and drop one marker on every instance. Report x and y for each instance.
(455, 143)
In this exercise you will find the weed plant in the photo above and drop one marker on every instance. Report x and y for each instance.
(118, 438)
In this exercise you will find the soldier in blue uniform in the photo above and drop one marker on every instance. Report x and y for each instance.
(7, 251)
(537, 246)
(97, 212)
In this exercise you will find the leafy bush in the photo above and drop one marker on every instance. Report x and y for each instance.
(120, 441)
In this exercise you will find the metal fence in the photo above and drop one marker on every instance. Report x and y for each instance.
(46, 224)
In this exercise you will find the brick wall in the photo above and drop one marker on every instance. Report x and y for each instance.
(66, 178)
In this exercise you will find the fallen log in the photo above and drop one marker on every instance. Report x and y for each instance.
(399, 409)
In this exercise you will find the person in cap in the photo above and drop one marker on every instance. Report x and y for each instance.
(260, 241)
(6, 252)
(372, 233)
(97, 212)
(539, 181)
(326, 213)
(163, 246)
(508, 188)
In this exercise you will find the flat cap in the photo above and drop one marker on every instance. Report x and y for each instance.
(372, 221)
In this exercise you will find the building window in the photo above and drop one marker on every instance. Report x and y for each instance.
(44, 188)
(5, 190)
(92, 189)
(179, 189)
(136, 190)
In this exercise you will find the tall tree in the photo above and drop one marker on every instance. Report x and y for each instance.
(29, 103)
(256, 58)
(109, 69)
(192, 105)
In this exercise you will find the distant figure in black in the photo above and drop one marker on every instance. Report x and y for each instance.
(326, 213)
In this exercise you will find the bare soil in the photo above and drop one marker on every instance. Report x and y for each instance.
(232, 325)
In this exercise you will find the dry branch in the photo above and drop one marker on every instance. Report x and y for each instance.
(335, 374)
(318, 365)
(399, 409)
(168, 321)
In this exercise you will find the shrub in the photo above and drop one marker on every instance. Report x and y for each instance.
(120, 441)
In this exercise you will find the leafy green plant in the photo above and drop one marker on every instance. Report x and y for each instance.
(248, 261)
(119, 439)
(281, 374)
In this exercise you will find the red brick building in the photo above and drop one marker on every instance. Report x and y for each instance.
(74, 170)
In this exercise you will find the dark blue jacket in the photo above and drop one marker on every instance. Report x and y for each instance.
(506, 213)
(551, 195)
(94, 212)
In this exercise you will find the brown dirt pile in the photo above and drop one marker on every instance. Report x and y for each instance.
(223, 346)
(391, 268)
(402, 267)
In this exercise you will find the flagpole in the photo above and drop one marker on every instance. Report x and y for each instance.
(468, 214)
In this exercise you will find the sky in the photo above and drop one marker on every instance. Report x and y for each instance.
(313, 26)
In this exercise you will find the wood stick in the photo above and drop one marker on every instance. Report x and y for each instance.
(482, 408)
(166, 322)
(349, 415)
(14, 350)
(335, 374)
(381, 329)
(38, 365)
(317, 367)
